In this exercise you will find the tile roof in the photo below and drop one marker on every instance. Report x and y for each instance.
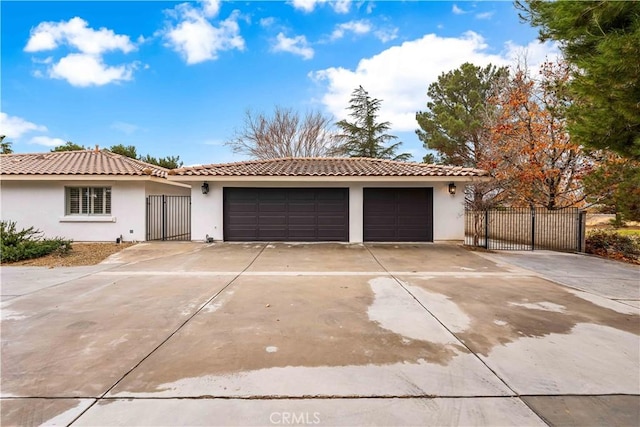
(334, 166)
(85, 162)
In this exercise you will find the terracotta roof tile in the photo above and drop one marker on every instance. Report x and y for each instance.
(85, 162)
(336, 166)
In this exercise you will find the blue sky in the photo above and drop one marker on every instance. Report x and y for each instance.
(175, 78)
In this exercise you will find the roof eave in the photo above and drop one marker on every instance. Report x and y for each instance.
(276, 178)
(78, 177)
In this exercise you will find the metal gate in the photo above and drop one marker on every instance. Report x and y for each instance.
(168, 217)
(526, 229)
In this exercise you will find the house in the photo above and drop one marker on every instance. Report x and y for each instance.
(89, 195)
(327, 199)
(96, 195)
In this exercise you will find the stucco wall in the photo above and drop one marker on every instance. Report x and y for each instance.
(448, 211)
(42, 205)
(157, 188)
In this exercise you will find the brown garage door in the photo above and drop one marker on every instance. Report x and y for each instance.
(398, 214)
(286, 214)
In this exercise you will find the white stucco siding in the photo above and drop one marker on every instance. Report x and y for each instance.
(42, 205)
(206, 212)
(158, 188)
(448, 210)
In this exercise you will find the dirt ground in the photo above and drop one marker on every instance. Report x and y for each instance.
(81, 254)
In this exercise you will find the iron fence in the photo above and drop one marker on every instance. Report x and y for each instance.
(526, 229)
(169, 217)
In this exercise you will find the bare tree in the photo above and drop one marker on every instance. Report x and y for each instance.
(286, 134)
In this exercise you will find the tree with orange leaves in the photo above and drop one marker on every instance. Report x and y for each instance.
(533, 155)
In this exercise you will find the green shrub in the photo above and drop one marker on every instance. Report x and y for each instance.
(27, 243)
(613, 245)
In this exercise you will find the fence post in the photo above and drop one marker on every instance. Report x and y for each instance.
(533, 228)
(486, 228)
(164, 217)
(148, 215)
(582, 231)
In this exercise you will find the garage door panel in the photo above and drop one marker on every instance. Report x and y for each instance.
(266, 235)
(416, 235)
(330, 209)
(398, 214)
(272, 220)
(380, 208)
(281, 214)
(308, 220)
(266, 195)
(244, 221)
(295, 195)
(332, 221)
(381, 221)
(241, 207)
(272, 207)
(301, 208)
(410, 221)
(380, 235)
(302, 234)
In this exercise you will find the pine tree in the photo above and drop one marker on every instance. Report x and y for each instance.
(601, 40)
(365, 136)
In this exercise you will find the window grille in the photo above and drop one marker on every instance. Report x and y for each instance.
(88, 201)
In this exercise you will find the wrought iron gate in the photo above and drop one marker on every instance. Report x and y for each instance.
(168, 217)
(526, 229)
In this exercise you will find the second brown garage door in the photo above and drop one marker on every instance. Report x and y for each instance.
(286, 214)
(398, 215)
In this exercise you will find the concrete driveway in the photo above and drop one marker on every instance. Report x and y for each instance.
(329, 334)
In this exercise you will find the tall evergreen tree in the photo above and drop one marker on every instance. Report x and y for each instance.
(365, 136)
(457, 124)
(454, 124)
(601, 39)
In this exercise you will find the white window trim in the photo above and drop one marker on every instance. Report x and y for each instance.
(87, 218)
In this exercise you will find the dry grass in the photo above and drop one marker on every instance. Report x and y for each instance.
(80, 254)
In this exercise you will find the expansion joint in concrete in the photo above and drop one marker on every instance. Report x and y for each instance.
(401, 284)
(182, 325)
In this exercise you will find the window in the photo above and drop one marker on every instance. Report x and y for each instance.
(88, 200)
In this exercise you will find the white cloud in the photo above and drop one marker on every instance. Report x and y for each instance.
(485, 15)
(211, 8)
(267, 22)
(386, 34)
(297, 45)
(47, 140)
(77, 34)
(15, 127)
(307, 6)
(359, 27)
(457, 11)
(534, 54)
(125, 127)
(197, 40)
(400, 75)
(341, 6)
(86, 68)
